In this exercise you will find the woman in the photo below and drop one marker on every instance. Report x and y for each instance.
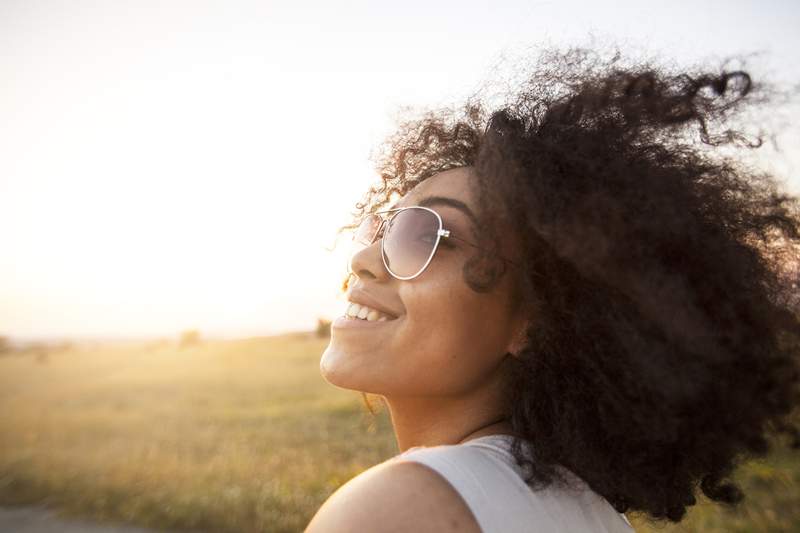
(571, 308)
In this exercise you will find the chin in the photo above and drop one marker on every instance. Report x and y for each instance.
(345, 371)
(336, 368)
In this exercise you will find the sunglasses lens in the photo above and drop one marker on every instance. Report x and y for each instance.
(409, 241)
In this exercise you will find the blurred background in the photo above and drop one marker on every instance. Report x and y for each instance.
(172, 176)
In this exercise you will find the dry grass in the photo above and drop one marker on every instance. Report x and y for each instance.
(230, 436)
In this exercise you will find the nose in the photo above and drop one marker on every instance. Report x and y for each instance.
(367, 262)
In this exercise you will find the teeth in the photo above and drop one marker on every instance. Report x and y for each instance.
(363, 312)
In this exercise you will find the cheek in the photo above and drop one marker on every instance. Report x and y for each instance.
(451, 348)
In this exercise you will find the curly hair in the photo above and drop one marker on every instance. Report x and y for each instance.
(660, 274)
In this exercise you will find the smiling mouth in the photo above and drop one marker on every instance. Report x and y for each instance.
(381, 319)
(344, 321)
(358, 311)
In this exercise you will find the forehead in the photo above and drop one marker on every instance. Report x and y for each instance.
(453, 184)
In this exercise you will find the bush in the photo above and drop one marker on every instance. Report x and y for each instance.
(188, 338)
(323, 328)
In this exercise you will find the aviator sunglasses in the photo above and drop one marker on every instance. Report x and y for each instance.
(410, 239)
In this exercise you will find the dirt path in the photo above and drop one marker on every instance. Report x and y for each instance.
(31, 519)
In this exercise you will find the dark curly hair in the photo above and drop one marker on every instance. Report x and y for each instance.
(659, 271)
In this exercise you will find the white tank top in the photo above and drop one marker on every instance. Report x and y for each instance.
(483, 471)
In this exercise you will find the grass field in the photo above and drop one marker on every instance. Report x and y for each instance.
(233, 436)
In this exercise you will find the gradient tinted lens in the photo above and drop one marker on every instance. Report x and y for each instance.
(409, 241)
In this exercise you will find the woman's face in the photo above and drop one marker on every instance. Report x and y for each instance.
(447, 339)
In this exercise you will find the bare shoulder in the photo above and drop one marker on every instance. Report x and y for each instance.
(395, 496)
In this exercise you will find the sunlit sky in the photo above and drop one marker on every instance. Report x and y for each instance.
(167, 165)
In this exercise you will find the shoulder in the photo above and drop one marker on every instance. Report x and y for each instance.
(395, 496)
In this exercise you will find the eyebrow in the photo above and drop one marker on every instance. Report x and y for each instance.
(429, 201)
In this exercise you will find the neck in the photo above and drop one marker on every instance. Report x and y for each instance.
(434, 420)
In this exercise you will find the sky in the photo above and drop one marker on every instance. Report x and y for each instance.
(171, 165)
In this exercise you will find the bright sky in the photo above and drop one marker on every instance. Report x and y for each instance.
(167, 165)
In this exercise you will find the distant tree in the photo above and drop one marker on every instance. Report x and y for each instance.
(190, 337)
(323, 328)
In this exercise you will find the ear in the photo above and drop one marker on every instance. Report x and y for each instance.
(518, 337)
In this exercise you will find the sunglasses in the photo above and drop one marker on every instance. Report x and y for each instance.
(410, 239)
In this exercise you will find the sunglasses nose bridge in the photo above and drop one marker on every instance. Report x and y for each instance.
(363, 243)
(379, 231)
(375, 234)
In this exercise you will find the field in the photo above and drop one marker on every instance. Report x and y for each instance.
(233, 436)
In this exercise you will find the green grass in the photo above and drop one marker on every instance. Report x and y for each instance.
(232, 436)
